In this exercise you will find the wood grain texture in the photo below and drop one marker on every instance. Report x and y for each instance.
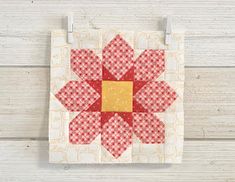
(197, 17)
(203, 161)
(34, 49)
(209, 26)
(209, 102)
(209, 88)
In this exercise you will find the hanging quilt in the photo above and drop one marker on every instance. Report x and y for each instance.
(116, 97)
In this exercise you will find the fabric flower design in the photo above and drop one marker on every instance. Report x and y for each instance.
(117, 96)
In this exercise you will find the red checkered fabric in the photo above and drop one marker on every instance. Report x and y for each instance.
(118, 57)
(148, 128)
(86, 64)
(149, 65)
(84, 128)
(116, 135)
(156, 96)
(77, 96)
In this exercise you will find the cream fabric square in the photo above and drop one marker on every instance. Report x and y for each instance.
(80, 131)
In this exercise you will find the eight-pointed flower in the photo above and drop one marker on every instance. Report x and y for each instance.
(117, 96)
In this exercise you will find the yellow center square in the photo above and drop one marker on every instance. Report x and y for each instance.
(117, 96)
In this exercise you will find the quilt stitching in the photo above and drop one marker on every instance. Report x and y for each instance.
(116, 127)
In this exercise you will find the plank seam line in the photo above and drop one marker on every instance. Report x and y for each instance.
(46, 139)
(209, 139)
(48, 66)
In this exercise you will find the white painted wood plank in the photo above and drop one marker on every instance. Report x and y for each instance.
(203, 161)
(34, 49)
(197, 17)
(209, 102)
(210, 51)
(24, 49)
(24, 99)
(25, 26)
(209, 93)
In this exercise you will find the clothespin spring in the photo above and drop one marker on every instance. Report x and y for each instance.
(168, 31)
(70, 28)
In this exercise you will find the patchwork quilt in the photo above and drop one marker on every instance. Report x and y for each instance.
(116, 97)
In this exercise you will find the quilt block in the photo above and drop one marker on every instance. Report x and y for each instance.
(116, 97)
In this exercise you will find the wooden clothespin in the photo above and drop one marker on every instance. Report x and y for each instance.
(70, 28)
(168, 31)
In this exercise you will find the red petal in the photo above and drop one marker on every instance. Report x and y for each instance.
(77, 96)
(84, 128)
(138, 85)
(149, 65)
(106, 75)
(96, 106)
(156, 96)
(148, 128)
(137, 107)
(116, 135)
(118, 57)
(86, 64)
(105, 116)
(129, 75)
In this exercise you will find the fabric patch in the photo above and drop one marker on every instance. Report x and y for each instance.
(77, 96)
(117, 92)
(86, 64)
(117, 96)
(149, 65)
(118, 57)
(148, 128)
(156, 96)
(127, 116)
(116, 135)
(84, 128)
